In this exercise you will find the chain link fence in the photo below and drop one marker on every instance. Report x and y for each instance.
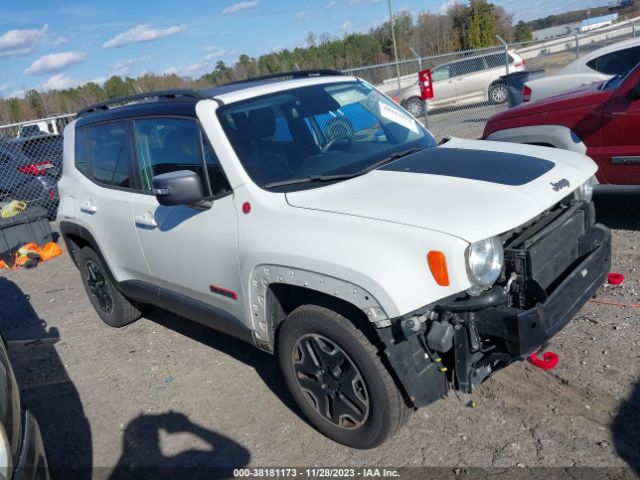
(467, 86)
(31, 164)
(468, 90)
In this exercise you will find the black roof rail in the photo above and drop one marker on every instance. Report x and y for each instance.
(167, 95)
(287, 75)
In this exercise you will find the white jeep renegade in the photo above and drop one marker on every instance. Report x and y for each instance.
(309, 215)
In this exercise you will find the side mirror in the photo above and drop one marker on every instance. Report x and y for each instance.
(634, 93)
(182, 187)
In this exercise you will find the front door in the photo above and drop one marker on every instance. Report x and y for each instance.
(191, 251)
(619, 153)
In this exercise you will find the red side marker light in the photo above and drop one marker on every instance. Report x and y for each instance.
(225, 292)
(615, 278)
(246, 207)
(526, 94)
(549, 360)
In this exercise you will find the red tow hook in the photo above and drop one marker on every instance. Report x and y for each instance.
(549, 360)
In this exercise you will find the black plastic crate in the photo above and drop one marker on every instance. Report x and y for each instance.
(30, 226)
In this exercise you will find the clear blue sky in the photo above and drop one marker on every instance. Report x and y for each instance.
(54, 44)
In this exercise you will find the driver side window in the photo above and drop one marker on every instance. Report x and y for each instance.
(166, 145)
(352, 121)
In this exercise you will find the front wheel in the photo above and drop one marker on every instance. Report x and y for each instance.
(498, 93)
(337, 378)
(415, 106)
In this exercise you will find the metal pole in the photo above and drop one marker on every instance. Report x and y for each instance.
(506, 53)
(395, 46)
(633, 30)
(577, 46)
(419, 59)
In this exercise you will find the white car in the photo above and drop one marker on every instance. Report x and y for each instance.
(594, 67)
(464, 81)
(314, 218)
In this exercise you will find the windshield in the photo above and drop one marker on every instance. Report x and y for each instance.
(318, 131)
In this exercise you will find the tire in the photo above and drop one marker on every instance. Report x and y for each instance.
(415, 106)
(339, 352)
(498, 93)
(111, 306)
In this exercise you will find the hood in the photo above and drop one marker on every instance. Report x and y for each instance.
(470, 189)
(580, 97)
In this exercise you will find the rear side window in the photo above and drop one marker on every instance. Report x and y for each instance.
(165, 145)
(108, 148)
(616, 63)
(467, 66)
(497, 60)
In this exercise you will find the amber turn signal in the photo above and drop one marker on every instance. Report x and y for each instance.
(438, 267)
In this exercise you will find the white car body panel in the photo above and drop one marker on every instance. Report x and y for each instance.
(549, 86)
(577, 73)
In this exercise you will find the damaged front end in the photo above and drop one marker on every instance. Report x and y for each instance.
(553, 265)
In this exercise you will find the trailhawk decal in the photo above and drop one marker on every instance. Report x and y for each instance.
(487, 166)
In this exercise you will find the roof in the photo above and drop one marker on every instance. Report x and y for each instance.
(188, 98)
(595, 20)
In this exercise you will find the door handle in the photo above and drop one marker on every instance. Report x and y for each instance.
(88, 207)
(618, 114)
(145, 221)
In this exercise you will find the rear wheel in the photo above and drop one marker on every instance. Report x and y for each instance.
(337, 378)
(113, 308)
(498, 93)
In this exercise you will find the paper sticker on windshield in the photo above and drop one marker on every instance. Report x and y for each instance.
(398, 117)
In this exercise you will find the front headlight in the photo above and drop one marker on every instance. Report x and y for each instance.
(585, 192)
(484, 263)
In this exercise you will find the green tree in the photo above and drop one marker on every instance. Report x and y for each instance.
(117, 87)
(34, 99)
(482, 25)
(524, 32)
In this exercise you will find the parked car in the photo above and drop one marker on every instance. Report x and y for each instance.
(311, 216)
(41, 127)
(601, 121)
(465, 81)
(29, 171)
(594, 67)
(22, 454)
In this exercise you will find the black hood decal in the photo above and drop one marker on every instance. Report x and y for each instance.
(495, 167)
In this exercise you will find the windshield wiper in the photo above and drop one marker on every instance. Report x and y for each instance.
(391, 158)
(342, 176)
(311, 179)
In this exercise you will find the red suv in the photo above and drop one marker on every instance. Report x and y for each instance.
(601, 121)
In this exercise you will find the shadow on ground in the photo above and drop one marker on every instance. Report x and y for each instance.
(265, 365)
(142, 457)
(48, 392)
(46, 389)
(626, 430)
(618, 211)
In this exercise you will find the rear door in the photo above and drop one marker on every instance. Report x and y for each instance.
(191, 251)
(103, 155)
(470, 80)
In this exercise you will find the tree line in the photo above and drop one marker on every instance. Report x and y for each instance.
(462, 27)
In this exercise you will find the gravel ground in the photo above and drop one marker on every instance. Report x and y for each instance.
(164, 392)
